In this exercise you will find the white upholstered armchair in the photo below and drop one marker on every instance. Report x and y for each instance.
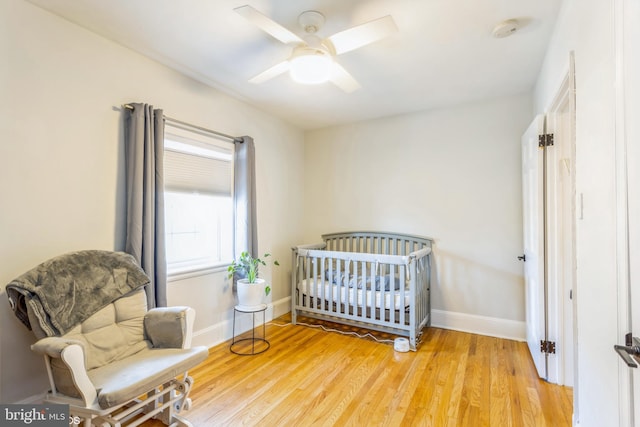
(114, 363)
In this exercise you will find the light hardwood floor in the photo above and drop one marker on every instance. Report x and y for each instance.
(311, 377)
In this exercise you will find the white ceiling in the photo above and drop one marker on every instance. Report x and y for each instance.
(443, 53)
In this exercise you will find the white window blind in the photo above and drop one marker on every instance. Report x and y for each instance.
(198, 180)
(194, 166)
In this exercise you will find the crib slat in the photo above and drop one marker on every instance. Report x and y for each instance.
(372, 299)
(392, 295)
(354, 290)
(319, 283)
(367, 281)
(356, 303)
(299, 294)
(310, 284)
(403, 285)
(338, 288)
(324, 270)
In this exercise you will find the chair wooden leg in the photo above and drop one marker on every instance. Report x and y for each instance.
(181, 422)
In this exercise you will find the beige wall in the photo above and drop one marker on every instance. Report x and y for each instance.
(451, 174)
(61, 176)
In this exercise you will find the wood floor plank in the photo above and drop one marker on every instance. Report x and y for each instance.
(313, 377)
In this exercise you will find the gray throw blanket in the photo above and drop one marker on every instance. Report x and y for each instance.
(64, 291)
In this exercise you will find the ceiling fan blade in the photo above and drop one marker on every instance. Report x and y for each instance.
(270, 73)
(363, 34)
(341, 78)
(268, 25)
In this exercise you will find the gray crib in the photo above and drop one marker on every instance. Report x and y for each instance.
(379, 281)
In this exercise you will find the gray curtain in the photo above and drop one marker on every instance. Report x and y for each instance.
(246, 229)
(144, 144)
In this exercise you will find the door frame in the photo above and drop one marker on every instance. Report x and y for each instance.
(626, 99)
(561, 228)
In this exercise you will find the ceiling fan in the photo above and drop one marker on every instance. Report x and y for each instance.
(312, 59)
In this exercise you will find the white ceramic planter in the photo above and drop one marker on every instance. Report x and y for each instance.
(250, 294)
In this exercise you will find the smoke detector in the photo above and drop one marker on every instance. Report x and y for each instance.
(311, 21)
(506, 28)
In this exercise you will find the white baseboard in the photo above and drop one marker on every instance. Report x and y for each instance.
(281, 307)
(213, 335)
(36, 399)
(481, 325)
(472, 323)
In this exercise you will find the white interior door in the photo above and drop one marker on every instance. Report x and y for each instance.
(533, 224)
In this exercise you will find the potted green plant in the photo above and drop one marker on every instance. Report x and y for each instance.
(250, 286)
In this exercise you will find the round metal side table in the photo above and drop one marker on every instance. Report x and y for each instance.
(262, 308)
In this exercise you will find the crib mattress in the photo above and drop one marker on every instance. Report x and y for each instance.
(355, 296)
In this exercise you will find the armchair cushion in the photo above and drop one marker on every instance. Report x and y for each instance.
(125, 379)
(128, 378)
(113, 332)
(65, 376)
(166, 327)
(53, 346)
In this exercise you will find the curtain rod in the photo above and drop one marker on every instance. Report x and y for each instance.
(169, 119)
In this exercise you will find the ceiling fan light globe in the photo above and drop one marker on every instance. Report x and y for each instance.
(310, 69)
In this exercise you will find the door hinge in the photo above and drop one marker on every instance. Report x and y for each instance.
(548, 347)
(545, 140)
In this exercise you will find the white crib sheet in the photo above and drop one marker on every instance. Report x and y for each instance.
(359, 297)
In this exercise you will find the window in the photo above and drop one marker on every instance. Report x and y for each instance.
(198, 200)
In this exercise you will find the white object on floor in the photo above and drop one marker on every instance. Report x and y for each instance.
(401, 345)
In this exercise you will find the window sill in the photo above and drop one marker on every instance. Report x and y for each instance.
(189, 272)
